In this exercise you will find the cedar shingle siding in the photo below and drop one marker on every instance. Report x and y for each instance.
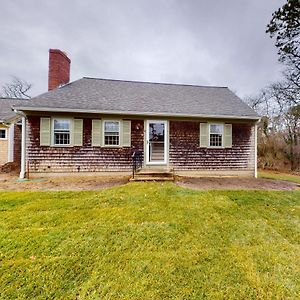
(80, 158)
(185, 152)
(17, 143)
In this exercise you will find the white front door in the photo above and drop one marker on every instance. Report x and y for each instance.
(156, 142)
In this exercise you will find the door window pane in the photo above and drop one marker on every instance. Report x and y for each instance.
(156, 142)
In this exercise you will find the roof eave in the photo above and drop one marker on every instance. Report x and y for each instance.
(133, 113)
(9, 121)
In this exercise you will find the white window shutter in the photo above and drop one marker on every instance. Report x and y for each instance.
(204, 136)
(45, 131)
(96, 133)
(228, 136)
(126, 133)
(77, 132)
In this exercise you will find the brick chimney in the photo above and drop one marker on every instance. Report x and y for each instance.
(59, 69)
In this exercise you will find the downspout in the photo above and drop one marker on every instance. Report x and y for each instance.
(23, 145)
(11, 136)
(23, 149)
(255, 150)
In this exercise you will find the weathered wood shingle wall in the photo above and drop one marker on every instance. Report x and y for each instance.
(186, 154)
(17, 143)
(85, 158)
(184, 150)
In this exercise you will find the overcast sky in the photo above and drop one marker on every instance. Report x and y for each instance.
(202, 42)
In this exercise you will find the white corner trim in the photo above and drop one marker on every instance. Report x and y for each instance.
(255, 150)
(11, 143)
(23, 149)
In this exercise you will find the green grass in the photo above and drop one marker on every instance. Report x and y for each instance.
(279, 176)
(150, 241)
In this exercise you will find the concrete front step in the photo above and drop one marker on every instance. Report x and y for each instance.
(151, 178)
(154, 170)
(153, 175)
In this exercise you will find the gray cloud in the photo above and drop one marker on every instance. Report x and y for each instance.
(196, 42)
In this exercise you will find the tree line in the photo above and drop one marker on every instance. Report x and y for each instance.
(279, 103)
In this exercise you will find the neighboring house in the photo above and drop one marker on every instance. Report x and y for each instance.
(10, 131)
(94, 125)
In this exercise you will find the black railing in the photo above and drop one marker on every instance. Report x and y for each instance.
(137, 161)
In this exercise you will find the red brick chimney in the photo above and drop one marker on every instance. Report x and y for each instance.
(59, 69)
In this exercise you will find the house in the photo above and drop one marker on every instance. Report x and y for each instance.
(95, 125)
(10, 132)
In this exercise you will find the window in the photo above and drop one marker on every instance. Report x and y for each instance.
(61, 130)
(2, 134)
(216, 135)
(111, 133)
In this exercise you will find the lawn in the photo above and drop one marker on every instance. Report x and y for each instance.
(150, 241)
(279, 176)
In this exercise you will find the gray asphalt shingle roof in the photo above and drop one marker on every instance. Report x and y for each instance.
(144, 98)
(6, 113)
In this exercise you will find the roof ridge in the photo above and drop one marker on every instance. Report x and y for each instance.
(150, 82)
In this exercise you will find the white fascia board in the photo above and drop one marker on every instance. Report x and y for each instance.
(132, 113)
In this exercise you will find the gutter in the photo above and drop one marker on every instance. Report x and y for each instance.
(21, 109)
(19, 112)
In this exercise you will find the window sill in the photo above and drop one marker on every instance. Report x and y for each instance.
(112, 146)
(215, 147)
(61, 146)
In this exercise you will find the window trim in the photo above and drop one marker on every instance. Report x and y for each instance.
(5, 138)
(209, 133)
(103, 132)
(53, 132)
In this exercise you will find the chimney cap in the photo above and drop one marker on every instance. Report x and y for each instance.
(58, 51)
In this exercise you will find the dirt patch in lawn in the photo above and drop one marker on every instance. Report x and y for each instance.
(213, 183)
(10, 182)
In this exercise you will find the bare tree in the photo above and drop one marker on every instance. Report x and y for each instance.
(261, 103)
(17, 88)
(279, 103)
(279, 127)
(292, 136)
